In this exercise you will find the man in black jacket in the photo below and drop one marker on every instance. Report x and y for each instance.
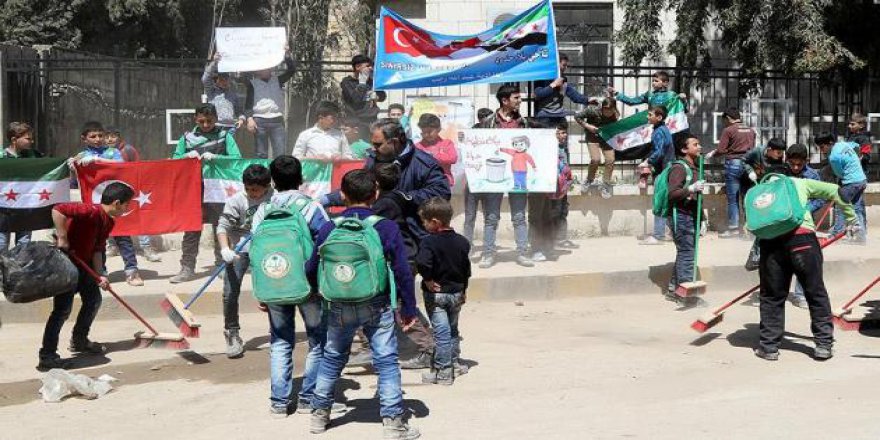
(358, 95)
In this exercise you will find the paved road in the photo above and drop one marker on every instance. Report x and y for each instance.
(589, 368)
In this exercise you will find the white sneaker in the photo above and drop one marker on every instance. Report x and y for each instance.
(539, 257)
(650, 241)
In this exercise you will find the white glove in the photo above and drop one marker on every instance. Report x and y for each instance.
(853, 230)
(192, 154)
(697, 187)
(86, 160)
(228, 255)
(711, 154)
(753, 176)
(208, 155)
(372, 96)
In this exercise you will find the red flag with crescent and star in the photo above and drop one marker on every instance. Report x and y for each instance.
(167, 194)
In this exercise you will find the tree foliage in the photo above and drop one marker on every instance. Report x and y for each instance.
(760, 35)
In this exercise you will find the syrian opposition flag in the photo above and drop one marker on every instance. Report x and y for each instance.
(221, 178)
(166, 194)
(317, 177)
(630, 137)
(28, 190)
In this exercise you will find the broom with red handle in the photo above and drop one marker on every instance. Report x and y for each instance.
(712, 318)
(838, 316)
(143, 339)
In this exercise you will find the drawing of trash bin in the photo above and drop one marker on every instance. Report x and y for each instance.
(496, 167)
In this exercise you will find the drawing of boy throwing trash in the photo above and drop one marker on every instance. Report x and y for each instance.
(519, 161)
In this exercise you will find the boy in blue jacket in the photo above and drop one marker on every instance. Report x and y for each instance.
(376, 316)
(662, 154)
(847, 167)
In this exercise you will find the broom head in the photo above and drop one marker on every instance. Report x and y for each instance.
(706, 322)
(182, 318)
(171, 341)
(693, 288)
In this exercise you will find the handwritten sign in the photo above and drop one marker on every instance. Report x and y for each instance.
(245, 49)
(507, 160)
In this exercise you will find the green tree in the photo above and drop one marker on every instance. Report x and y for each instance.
(28, 22)
(789, 35)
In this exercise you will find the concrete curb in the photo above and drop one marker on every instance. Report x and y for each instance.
(497, 289)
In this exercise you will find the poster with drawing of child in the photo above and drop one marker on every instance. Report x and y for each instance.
(502, 160)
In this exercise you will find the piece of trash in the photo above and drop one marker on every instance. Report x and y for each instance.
(107, 378)
(58, 384)
(519, 303)
(158, 367)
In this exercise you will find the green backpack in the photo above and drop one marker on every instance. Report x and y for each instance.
(281, 246)
(662, 208)
(773, 207)
(352, 264)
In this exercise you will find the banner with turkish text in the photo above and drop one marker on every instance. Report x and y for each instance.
(520, 49)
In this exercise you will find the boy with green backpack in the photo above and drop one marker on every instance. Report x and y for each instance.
(283, 235)
(675, 198)
(776, 213)
(359, 265)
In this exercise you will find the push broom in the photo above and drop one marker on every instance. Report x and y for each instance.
(143, 339)
(839, 316)
(179, 313)
(695, 287)
(711, 319)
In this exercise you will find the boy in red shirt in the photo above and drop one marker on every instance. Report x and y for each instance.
(82, 230)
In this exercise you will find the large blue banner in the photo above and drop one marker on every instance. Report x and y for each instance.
(521, 49)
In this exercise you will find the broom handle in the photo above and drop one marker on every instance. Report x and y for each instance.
(97, 277)
(849, 303)
(737, 299)
(214, 275)
(828, 209)
(699, 215)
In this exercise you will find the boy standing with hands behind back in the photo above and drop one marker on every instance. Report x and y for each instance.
(445, 268)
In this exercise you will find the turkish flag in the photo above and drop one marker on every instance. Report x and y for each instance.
(167, 194)
(402, 38)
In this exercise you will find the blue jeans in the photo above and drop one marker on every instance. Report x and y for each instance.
(659, 227)
(270, 131)
(491, 216)
(20, 238)
(282, 340)
(128, 253)
(518, 204)
(519, 180)
(733, 172)
(443, 309)
(61, 307)
(683, 233)
(852, 193)
(232, 290)
(377, 320)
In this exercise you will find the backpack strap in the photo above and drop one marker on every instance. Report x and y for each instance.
(392, 285)
(373, 219)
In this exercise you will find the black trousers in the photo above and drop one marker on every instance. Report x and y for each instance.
(782, 257)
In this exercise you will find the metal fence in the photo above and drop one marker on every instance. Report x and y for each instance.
(58, 90)
(793, 108)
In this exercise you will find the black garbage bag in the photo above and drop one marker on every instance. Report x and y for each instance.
(34, 271)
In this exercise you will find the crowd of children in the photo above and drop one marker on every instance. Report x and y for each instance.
(397, 225)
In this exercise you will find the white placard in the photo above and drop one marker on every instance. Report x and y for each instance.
(508, 160)
(245, 49)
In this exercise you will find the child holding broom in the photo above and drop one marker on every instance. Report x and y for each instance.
(82, 230)
(235, 222)
(684, 186)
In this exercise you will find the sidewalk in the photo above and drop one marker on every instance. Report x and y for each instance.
(606, 266)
